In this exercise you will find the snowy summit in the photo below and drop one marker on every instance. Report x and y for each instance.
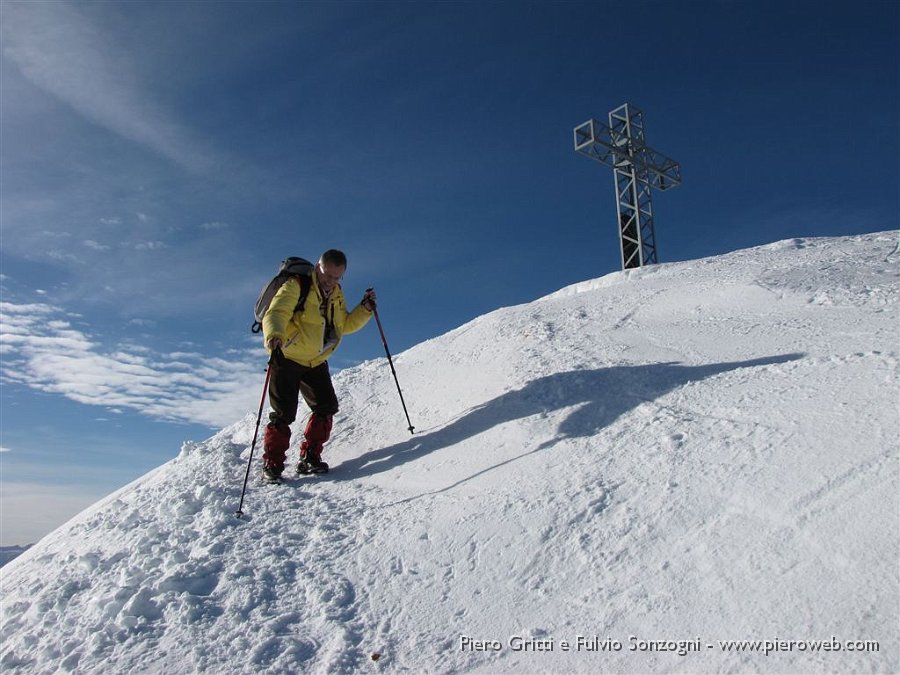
(690, 467)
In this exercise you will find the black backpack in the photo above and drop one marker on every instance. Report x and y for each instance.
(290, 267)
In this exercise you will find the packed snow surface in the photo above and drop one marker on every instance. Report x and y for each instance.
(623, 476)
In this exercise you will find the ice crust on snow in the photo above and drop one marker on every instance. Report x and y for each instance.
(700, 451)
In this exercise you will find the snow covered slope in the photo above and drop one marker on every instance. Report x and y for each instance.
(619, 477)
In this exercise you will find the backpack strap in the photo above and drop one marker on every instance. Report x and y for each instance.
(305, 282)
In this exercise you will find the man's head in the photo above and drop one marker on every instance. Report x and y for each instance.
(331, 268)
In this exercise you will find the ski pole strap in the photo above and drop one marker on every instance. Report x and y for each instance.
(372, 303)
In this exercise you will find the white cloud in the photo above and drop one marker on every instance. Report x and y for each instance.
(42, 350)
(64, 256)
(2, 449)
(62, 51)
(97, 246)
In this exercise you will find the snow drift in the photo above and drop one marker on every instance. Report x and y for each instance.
(688, 467)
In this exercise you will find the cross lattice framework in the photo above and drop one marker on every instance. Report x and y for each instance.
(638, 168)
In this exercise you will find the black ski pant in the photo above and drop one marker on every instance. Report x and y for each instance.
(289, 380)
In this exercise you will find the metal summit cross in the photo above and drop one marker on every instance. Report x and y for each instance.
(638, 168)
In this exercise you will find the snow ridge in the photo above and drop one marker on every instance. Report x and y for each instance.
(640, 464)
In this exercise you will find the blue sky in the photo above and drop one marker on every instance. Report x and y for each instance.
(157, 161)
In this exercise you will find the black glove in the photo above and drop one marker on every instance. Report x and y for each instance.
(369, 299)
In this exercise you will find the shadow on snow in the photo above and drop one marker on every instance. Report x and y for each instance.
(601, 396)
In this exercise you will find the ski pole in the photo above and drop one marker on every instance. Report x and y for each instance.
(391, 362)
(262, 400)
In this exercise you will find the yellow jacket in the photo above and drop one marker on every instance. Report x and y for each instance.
(304, 333)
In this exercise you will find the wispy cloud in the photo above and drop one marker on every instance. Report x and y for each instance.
(43, 350)
(96, 245)
(61, 50)
(149, 245)
(65, 256)
(216, 225)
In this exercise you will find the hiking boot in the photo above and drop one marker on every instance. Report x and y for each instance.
(317, 432)
(271, 474)
(311, 463)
